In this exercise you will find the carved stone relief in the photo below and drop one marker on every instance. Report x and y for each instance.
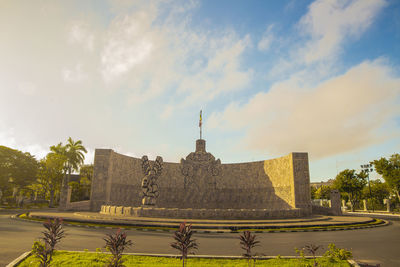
(200, 171)
(150, 192)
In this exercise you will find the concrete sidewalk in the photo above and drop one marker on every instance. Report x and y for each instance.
(209, 225)
(380, 214)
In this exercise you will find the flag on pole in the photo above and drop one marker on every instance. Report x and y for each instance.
(200, 121)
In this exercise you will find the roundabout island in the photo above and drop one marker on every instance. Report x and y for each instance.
(306, 224)
(270, 196)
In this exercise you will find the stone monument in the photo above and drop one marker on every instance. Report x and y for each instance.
(200, 186)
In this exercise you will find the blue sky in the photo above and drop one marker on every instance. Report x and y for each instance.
(272, 77)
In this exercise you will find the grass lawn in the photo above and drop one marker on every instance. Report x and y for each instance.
(86, 259)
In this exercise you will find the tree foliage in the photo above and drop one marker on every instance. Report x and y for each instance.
(50, 175)
(379, 191)
(390, 171)
(17, 169)
(81, 189)
(323, 192)
(352, 183)
(74, 154)
(313, 189)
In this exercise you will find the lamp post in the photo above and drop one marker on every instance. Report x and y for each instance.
(368, 168)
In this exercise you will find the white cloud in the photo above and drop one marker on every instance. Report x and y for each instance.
(79, 33)
(344, 113)
(8, 138)
(266, 40)
(152, 58)
(330, 23)
(155, 59)
(128, 43)
(74, 75)
(167, 112)
(27, 88)
(220, 74)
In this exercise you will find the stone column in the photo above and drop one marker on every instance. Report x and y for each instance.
(69, 193)
(63, 195)
(335, 202)
(387, 202)
(365, 205)
(344, 207)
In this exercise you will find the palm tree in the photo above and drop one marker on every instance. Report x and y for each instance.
(75, 156)
(73, 152)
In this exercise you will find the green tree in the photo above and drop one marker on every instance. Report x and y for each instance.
(390, 171)
(50, 175)
(323, 192)
(379, 191)
(17, 169)
(352, 183)
(85, 182)
(313, 189)
(74, 154)
(81, 189)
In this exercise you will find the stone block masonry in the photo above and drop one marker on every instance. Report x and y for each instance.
(277, 186)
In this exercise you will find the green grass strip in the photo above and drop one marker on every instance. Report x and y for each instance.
(64, 258)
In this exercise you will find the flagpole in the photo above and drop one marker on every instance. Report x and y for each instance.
(200, 123)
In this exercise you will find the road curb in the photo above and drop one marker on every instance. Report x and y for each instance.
(208, 231)
(19, 259)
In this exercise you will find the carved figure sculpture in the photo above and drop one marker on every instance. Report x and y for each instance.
(200, 170)
(149, 182)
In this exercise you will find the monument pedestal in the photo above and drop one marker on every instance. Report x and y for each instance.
(223, 214)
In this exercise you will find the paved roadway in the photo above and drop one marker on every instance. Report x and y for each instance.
(374, 245)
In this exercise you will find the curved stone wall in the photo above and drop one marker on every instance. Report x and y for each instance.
(277, 184)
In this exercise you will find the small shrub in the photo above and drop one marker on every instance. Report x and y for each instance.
(312, 249)
(54, 232)
(337, 253)
(116, 244)
(183, 241)
(52, 235)
(300, 252)
(41, 252)
(247, 242)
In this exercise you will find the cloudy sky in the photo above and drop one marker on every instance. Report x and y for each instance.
(272, 77)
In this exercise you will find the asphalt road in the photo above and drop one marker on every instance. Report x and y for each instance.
(374, 245)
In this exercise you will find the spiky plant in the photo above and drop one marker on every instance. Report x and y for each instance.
(52, 235)
(183, 241)
(312, 249)
(116, 244)
(247, 242)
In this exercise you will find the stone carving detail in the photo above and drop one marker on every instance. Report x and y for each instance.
(203, 164)
(200, 170)
(149, 182)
